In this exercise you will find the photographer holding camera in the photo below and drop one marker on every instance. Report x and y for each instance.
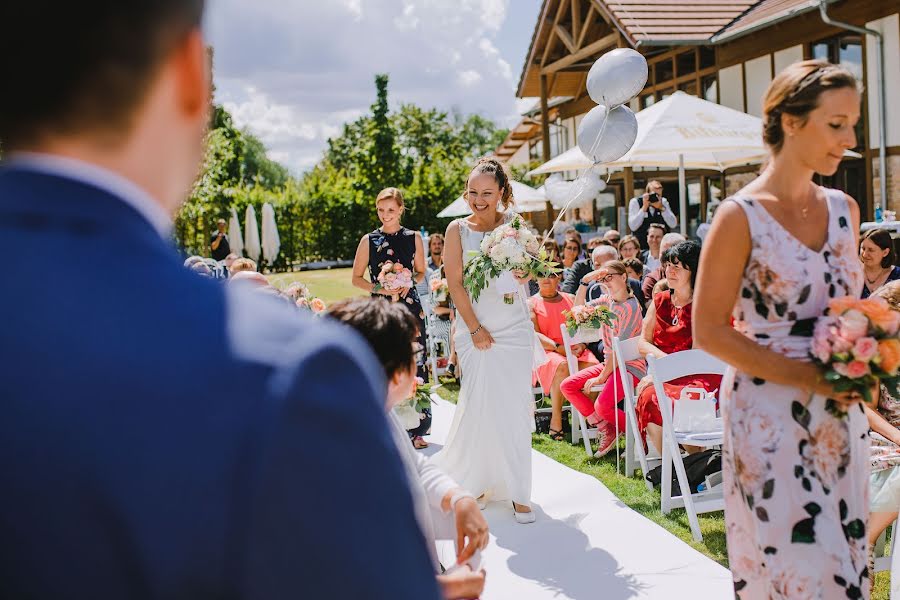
(648, 209)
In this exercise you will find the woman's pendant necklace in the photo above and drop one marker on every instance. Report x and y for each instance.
(675, 316)
(877, 277)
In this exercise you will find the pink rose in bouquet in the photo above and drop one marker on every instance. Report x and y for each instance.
(394, 277)
(856, 346)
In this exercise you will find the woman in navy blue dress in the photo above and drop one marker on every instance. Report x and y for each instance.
(394, 243)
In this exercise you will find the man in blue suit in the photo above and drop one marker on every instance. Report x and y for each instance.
(131, 467)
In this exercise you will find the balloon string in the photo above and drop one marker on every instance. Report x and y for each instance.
(581, 181)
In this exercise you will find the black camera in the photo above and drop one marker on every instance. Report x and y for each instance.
(654, 198)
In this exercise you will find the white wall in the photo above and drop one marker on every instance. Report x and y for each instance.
(890, 28)
(786, 57)
(520, 157)
(731, 87)
(758, 75)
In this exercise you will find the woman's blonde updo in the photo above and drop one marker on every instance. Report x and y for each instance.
(796, 91)
(390, 193)
(492, 166)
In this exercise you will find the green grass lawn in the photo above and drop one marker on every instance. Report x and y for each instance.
(329, 284)
(334, 284)
(634, 493)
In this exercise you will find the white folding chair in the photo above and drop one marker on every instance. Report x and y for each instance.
(662, 370)
(436, 331)
(580, 429)
(883, 562)
(626, 350)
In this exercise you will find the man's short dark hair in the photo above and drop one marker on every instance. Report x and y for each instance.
(659, 226)
(69, 67)
(389, 328)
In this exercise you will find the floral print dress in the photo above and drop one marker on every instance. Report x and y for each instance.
(795, 466)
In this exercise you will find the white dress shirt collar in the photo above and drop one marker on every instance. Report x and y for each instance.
(98, 177)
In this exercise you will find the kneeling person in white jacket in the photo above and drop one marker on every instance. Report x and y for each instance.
(443, 509)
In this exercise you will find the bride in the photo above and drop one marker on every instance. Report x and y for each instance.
(488, 450)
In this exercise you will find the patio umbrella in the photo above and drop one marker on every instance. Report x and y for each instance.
(251, 234)
(683, 132)
(270, 241)
(235, 239)
(527, 199)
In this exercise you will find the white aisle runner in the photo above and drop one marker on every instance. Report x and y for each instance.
(585, 545)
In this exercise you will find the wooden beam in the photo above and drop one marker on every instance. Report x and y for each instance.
(586, 52)
(551, 44)
(576, 21)
(566, 37)
(586, 26)
(545, 121)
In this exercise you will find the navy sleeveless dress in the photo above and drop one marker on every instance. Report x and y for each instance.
(399, 247)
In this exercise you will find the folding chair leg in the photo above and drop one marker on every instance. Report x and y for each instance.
(666, 493)
(685, 488)
(582, 425)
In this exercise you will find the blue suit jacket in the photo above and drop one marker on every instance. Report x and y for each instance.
(163, 437)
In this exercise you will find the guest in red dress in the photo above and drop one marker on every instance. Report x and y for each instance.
(667, 329)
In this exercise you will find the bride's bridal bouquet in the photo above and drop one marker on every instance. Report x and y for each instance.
(508, 249)
(584, 322)
(856, 345)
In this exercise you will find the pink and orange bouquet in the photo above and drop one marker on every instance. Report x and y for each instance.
(856, 345)
(314, 305)
(586, 316)
(394, 277)
(439, 289)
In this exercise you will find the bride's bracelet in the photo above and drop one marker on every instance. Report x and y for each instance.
(474, 333)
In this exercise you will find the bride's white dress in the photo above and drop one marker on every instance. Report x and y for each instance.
(488, 449)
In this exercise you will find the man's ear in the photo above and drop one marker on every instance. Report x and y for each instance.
(191, 61)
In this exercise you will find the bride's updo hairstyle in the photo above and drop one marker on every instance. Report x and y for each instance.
(492, 166)
(796, 91)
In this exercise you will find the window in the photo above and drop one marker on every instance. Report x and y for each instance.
(710, 88)
(707, 57)
(845, 50)
(648, 100)
(686, 63)
(664, 71)
(689, 87)
(663, 94)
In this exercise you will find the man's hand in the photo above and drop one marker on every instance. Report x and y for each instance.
(645, 202)
(471, 529)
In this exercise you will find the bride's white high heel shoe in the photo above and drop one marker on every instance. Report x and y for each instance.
(524, 518)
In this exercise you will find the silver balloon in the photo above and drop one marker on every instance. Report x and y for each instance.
(605, 136)
(617, 77)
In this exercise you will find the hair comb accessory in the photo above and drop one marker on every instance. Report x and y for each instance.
(811, 78)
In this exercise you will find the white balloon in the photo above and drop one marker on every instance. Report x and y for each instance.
(605, 136)
(617, 77)
(601, 185)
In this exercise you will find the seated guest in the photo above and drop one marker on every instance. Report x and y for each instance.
(650, 279)
(604, 413)
(547, 308)
(630, 247)
(635, 269)
(667, 329)
(570, 252)
(243, 264)
(249, 277)
(593, 243)
(651, 255)
(192, 260)
(613, 237)
(601, 256)
(884, 480)
(435, 254)
(876, 251)
(392, 332)
(201, 268)
(573, 234)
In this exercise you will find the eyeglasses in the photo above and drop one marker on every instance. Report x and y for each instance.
(608, 278)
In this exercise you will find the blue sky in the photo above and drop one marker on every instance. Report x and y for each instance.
(295, 71)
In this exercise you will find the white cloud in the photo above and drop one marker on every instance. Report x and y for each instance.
(294, 72)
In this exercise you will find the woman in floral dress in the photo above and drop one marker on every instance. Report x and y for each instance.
(796, 452)
(394, 243)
